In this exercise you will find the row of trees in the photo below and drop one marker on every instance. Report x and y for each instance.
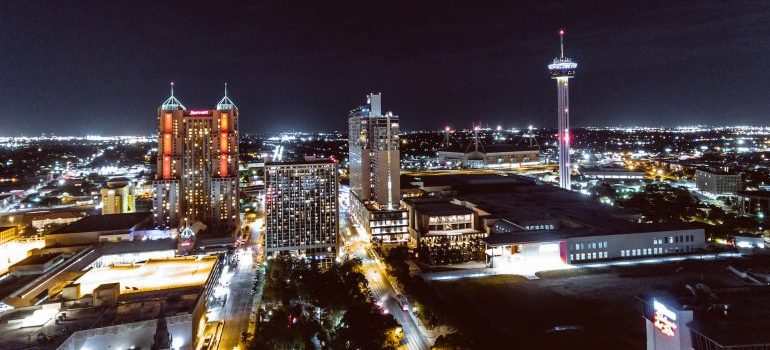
(306, 306)
(444, 252)
(663, 203)
(423, 297)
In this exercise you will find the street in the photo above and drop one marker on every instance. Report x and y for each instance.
(383, 291)
(236, 285)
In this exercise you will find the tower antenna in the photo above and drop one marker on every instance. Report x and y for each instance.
(172, 89)
(225, 89)
(561, 42)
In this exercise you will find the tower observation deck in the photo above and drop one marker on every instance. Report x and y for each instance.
(562, 69)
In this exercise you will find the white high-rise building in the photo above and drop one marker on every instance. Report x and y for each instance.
(375, 170)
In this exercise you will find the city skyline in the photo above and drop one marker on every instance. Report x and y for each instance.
(303, 77)
(473, 208)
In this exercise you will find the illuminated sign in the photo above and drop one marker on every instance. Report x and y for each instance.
(187, 233)
(200, 112)
(665, 319)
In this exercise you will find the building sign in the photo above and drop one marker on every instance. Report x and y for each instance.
(199, 112)
(665, 319)
(187, 233)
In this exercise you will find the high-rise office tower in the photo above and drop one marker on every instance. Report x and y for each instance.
(562, 70)
(301, 208)
(374, 171)
(197, 177)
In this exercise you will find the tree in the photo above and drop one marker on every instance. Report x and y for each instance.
(454, 341)
(396, 260)
(364, 326)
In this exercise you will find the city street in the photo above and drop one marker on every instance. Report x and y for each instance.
(237, 284)
(383, 291)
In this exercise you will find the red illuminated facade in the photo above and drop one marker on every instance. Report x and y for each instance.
(197, 166)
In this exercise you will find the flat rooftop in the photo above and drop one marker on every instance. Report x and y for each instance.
(111, 222)
(153, 275)
(522, 200)
(437, 206)
(130, 308)
(302, 162)
(37, 259)
(491, 148)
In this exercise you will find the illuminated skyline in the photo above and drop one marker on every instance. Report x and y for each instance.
(438, 65)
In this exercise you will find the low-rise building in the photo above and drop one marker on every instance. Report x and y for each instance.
(118, 197)
(754, 202)
(120, 307)
(708, 319)
(611, 174)
(490, 156)
(8, 234)
(717, 182)
(100, 228)
(524, 222)
(35, 264)
(435, 220)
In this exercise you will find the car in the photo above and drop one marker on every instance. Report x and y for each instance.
(402, 302)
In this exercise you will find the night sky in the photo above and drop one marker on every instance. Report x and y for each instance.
(87, 67)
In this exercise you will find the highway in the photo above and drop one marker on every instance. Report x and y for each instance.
(383, 291)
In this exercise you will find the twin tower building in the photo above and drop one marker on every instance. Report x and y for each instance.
(197, 166)
(197, 176)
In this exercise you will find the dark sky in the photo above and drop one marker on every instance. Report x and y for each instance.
(78, 67)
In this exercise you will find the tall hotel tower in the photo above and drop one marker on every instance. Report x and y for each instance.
(563, 69)
(301, 209)
(197, 177)
(374, 167)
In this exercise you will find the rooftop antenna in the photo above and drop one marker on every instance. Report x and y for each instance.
(446, 143)
(476, 143)
(226, 103)
(172, 103)
(530, 137)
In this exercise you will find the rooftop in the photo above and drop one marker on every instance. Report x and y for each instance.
(437, 206)
(37, 259)
(730, 316)
(491, 148)
(522, 200)
(302, 162)
(111, 222)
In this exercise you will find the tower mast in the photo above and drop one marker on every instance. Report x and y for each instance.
(562, 69)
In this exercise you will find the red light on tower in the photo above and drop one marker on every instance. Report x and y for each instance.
(166, 167)
(223, 165)
(168, 123)
(223, 123)
(223, 143)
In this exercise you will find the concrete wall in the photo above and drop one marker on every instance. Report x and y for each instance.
(654, 242)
